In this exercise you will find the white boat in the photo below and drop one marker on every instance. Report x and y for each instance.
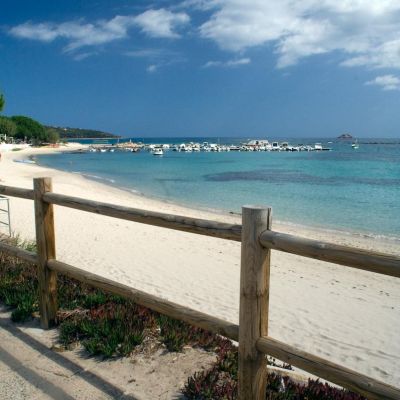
(158, 151)
(275, 146)
(355, 145)
(317, 146)
(25, 161)
(285, 146)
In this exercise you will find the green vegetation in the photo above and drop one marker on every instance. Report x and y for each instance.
(111, 326)
(29, 129)
(18, 285)
(52, 135)
(7, 127)
(24, 128)
(78, 133)
(2, 102)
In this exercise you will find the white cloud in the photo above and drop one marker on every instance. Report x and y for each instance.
(367, 32)
(161, 23)
(152, 68)
(78, 33)
(240, 61)
(155, 23)
(386, 82)
(158, 58)
(154, 54)
(44, 32)
(229, 63)
(145, 53)
(84, 55)
(210, 64)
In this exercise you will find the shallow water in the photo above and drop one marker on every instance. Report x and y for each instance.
(346, 189)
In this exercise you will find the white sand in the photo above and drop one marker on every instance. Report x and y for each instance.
(345, 315)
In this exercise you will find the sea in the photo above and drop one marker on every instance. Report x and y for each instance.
(356, 191)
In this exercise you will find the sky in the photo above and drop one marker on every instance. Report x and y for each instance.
(258, 68)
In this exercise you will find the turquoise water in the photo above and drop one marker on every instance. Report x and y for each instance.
(346, 189)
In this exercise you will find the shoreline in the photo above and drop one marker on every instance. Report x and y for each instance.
(322, 308)
(315, 231)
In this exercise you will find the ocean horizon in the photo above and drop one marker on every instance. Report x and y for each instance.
(356, 191)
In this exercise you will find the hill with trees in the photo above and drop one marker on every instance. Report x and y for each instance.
(79, 133)
(25, 129)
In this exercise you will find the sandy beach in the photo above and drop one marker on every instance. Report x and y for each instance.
(342, 314)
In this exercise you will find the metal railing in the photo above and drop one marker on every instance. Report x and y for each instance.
(5, 213)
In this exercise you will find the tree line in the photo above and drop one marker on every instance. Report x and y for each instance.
(24, 128)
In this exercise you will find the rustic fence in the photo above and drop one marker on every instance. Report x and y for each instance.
(257, 240)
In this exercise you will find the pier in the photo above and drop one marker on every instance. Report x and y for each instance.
(193, 147)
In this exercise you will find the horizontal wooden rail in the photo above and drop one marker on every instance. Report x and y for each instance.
(16, 192)
(344, 377)
(18, 252)
(366, 260)
(181, 223)
(155, 303)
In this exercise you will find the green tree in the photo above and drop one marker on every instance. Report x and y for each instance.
(2, 102)
(7, 127)
(30, 129)
(52, 135)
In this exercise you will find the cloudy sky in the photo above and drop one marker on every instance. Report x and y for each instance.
(257, 68)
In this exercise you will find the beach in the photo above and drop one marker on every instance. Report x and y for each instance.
(345, 315)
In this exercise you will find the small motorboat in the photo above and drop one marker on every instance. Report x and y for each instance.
(158, 152)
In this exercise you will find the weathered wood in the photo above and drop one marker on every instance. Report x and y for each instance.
(366, 260)
(177, 222)
(18, 252)
(155, 303)
(46, 250)
(16, 192)
(344, 377)
(254, 299)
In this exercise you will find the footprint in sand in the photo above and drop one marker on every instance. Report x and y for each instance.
(382, 372)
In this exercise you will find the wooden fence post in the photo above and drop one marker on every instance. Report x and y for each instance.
(254, 298)
(46, 249)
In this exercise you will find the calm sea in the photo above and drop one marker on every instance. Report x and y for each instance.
(345, 189)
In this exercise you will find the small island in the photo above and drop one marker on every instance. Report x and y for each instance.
(345, 136)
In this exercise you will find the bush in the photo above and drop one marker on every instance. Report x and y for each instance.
(220, 383)
(52, 135)
(7, 127)
(108, 329)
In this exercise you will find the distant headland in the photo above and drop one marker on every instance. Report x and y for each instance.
(345, 136)
(80, 133)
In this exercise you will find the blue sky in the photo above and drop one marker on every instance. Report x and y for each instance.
(255, 68)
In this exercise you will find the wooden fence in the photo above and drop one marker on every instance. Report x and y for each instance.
(257, 240)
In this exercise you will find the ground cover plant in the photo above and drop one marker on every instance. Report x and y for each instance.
(110, 326)
(220, 383)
